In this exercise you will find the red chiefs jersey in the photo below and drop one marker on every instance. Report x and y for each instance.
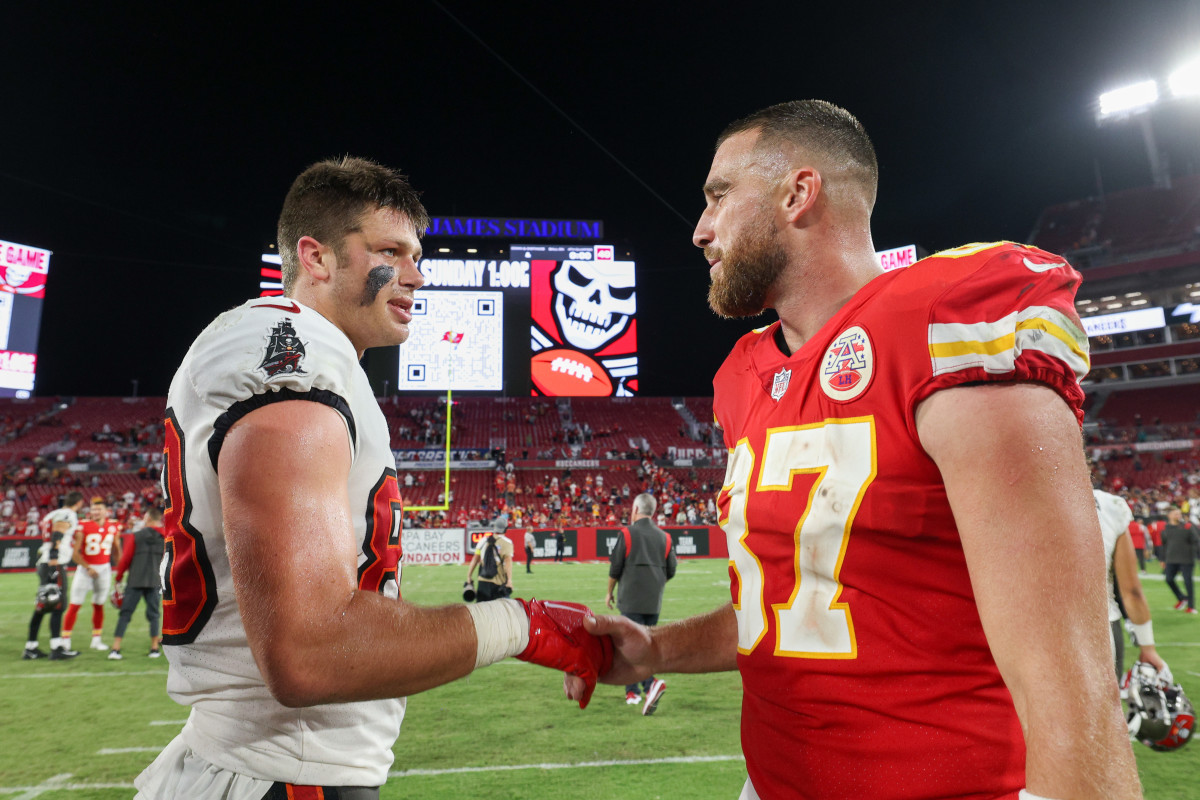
(865, 668)
(97, 542)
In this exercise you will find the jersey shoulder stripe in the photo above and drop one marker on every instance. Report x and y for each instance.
(995, 345)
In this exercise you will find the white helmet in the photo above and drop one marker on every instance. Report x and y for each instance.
(1160, 716)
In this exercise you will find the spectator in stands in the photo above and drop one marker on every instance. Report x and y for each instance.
(1181, 543)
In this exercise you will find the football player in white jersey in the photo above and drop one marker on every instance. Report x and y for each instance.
(58, 531)
(283, 625)
(1115, 517)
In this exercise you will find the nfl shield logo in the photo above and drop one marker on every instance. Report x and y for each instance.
(780, 384)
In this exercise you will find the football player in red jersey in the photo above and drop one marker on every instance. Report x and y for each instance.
(282, 618)
(97, 542)
(918, 590)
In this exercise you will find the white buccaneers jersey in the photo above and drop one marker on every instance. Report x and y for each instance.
(268, 350)
(1115, 517)
(62, 553)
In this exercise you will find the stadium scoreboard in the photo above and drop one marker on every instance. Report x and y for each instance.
(23, 271)
(538, 319)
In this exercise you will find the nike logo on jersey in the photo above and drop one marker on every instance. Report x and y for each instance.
(292, 309)
(1036, 267)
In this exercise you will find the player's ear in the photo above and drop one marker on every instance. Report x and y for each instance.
(801, 188)
(315, 259)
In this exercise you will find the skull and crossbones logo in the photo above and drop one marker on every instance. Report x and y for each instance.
(594, 301)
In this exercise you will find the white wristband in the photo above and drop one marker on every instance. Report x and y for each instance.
(1024, 795)
(1143, 632)
(501, 630)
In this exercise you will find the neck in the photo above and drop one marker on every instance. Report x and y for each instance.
(813, 290)
(313, 300)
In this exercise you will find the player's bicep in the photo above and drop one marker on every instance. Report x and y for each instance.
(1019, 490)
(283, 473)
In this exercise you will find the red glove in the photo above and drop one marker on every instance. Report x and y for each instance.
(557, 640)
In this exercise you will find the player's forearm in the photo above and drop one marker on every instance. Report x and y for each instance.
(705, 643)
(370, 648)
(1136, 607)
(1080, 752)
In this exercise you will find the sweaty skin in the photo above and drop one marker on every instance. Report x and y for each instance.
(377, 278)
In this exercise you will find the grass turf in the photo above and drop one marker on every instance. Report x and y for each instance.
(85, 728)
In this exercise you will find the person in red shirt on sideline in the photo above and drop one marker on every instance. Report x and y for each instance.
(1137, 535)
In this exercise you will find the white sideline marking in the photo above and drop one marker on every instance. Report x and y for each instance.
(620, 763)
(162, 672)
(169, 722)
(58, 784)
(116, 751)
(50, 784)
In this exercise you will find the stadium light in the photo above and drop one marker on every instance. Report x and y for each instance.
(1128, 99)
(1185, 81)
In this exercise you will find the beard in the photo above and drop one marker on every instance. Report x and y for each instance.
(748, 271)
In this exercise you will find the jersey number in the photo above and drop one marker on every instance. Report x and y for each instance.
(380, 571)
(189, 587)
(812, 623)
(96, 543)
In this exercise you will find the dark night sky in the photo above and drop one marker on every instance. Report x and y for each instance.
(150, 151)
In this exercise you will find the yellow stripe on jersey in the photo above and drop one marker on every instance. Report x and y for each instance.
(968, 249)
(995, 346)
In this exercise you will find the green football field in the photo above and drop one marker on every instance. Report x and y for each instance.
(85, 728)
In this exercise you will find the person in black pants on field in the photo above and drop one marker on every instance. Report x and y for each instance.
(641, 562)
(1180, 545)
(142, 555)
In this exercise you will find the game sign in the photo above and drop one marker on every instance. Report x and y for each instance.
(23, 271)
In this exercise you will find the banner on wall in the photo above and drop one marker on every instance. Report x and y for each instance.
(432, 545)
(18, 554)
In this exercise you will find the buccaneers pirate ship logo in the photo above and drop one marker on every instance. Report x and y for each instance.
(284, 353)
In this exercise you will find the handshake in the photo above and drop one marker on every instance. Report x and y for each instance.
(557, 639)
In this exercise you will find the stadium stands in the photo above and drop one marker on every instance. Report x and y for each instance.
(1131, 222)
(111, 446)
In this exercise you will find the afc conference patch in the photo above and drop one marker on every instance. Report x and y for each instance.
(848, 365)
(285, 351)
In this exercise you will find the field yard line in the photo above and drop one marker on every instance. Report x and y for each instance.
(162, 672)
(58, 784)
(48, 785)
(620, 763)
(116, 751)
(169, 722)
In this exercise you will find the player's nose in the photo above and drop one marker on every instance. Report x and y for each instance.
(409, 275)
(703, 234)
